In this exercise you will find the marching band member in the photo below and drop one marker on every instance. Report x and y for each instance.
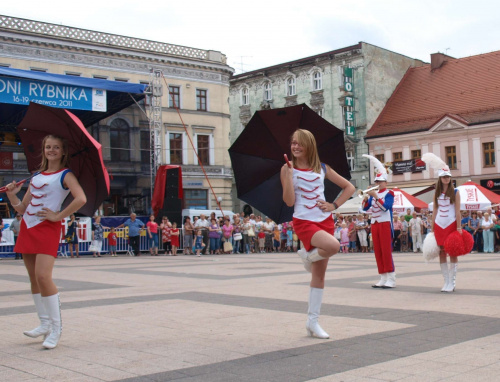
(381, 201)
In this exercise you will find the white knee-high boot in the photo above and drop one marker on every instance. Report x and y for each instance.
(44, 328)
(53, 307)
(453, 276)
(312, 325)
(446, 276)
(309, 257)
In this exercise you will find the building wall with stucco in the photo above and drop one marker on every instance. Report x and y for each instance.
(73, 51)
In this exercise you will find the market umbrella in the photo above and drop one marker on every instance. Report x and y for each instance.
(403, 201)
(257, 156)
(85, 152)
(475, 197)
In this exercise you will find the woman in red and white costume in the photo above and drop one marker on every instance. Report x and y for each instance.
(446, 217)
(303, 188)
(40, 231)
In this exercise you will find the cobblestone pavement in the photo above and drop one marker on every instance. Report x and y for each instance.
(242, 318)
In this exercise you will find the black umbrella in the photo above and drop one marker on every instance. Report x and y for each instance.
(257, 156)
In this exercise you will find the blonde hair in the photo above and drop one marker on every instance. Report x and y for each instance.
(306, 139)
(65, 158)
(450, 192)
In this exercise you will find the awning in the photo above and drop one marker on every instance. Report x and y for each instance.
(19, 87)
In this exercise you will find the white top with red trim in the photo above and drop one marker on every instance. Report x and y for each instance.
(445, 214)
(309, 187)
(47, 190)
(379, 212)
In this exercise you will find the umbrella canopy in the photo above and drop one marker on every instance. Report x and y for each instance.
(403, 201)
(475, 197)
(85, 152)
(257, 156)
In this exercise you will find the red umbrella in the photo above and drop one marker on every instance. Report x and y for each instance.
(403, 201)
(85, 152)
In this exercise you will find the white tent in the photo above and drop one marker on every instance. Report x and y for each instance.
(351, 207)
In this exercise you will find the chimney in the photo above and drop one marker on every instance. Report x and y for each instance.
(437, 60)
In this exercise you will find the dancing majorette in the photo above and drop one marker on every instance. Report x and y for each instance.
(303, 188)
(446, 217)
(381, 201)
(40, 232)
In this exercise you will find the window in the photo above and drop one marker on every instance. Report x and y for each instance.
(196, 199)
(119, 79)
(42, 70)
(268, 91)
(397, 157)
(317, 81)
(451, 156)
(176, 148)
(145, 147)
(290, 86)
(174, 96)
(201, 99)
(380, 157)
(203, 146)
(99, 77)
(74, 74)
(416, 154)
(489, 154)
(119, 132)
(245, 96)
(350, 160)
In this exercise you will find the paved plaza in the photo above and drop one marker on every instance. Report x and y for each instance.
(242, 318)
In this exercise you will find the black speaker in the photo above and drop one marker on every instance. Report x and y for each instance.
(172, 187)
(172, 205)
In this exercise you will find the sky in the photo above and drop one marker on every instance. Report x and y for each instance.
(256, 34)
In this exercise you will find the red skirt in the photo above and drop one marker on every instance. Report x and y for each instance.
(306, 229)
(174, 240)
(43, 238)
(442, 233)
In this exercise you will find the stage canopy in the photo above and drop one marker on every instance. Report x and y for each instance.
(90, 99)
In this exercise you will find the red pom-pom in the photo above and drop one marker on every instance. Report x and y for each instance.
(468, 241)
(457, 244)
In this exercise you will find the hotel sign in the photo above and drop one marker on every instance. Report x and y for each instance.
(350, 130)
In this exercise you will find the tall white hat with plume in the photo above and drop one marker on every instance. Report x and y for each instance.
(437, 164)
(380, 171)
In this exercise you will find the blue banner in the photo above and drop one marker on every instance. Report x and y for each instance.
(23, 91)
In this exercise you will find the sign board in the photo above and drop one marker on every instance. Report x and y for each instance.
(412, 165)
(23, 91)
(491, 184)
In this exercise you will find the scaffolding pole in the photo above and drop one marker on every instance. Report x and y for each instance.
(155, 123)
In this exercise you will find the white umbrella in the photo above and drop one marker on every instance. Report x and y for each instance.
(471, 198)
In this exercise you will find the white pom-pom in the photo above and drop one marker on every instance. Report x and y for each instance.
(430, 249)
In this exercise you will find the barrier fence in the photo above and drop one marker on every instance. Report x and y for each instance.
(122, 243)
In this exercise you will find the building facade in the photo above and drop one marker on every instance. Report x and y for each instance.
(194, 80)
(449, 107)
(348, 87)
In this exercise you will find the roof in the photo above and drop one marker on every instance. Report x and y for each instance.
(119, 96)
(300, 61)
(465, 89)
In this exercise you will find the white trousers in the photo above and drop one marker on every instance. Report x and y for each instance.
(417, 240)
(362, 238)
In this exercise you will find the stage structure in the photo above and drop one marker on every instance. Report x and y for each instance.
(155, 123)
